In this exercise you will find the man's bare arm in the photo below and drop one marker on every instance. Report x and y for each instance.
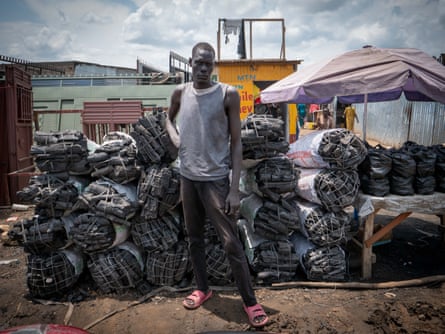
(175, 103)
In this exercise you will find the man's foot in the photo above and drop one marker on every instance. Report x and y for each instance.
(257, 316)
(196, 299)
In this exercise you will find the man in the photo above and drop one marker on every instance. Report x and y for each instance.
(350, 115)
(209, 143)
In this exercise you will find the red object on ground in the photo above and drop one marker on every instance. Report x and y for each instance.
(44, 329)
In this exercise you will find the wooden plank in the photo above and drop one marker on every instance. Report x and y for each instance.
(385, 229)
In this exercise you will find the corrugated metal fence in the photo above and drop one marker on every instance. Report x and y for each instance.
(395, 122)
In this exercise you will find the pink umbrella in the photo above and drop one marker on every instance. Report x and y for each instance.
(366, 75)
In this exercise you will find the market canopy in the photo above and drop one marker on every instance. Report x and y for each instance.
(369, 74)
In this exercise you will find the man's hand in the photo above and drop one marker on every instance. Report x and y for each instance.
(232, 203)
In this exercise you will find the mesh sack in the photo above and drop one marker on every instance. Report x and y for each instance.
(38, 186)
(118, 269)
(61, 151)
(262, 136)
(159, 234)
(56, 202)
(152, 140)
(116, 159)
(335, 189)
(276, 175)
(92, 233)
(341, 148)
(331, 148)
(275, 261)
(218, 267)
(54, 274)
(322, 227)
(158, 190)
(274, 221)
(39, 235)
(117, 202)
(169, 267)
(327, 263)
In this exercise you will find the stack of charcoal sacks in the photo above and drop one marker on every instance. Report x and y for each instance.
(417, 173)
(104, 213)
(159, 228)
(53, 265)
(328, 183)
(268, 218)
(411, 169)
(115, 158)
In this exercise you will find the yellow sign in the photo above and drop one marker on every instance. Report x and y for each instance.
(247, 100)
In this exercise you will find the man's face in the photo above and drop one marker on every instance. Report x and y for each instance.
(202, 66)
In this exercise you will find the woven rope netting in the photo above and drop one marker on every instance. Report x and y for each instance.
(334, 189)
(342, 149)
(64, 151)
(168, 267)
(53, 274)
(117, 269)
(275, 261)
(40, 235)
(262, 136)
(160, 234)
(152, 140)
(158, 190)
(326, 263)
(324, 228)
(92, 233)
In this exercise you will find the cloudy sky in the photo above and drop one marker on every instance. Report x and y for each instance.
(117, 32)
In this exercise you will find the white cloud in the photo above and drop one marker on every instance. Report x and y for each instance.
(119, 32)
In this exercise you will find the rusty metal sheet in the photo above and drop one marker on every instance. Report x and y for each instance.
(16, 120)
(99, 118)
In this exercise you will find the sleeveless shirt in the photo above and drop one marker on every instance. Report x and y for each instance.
(204, 151)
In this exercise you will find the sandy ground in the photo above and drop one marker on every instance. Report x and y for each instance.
(416, 251)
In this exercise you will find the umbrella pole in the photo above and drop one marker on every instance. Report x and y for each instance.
(365, 116)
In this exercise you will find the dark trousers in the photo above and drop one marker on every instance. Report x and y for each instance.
(201, 199)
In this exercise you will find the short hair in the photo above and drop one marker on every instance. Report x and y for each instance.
(203, 46)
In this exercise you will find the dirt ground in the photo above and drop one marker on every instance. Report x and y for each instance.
(416, 251)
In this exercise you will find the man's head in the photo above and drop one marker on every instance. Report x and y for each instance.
(202, 63)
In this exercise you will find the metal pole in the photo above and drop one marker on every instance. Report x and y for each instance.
(365, 115)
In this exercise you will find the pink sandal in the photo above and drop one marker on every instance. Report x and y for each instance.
(256, 314)
(196, 299)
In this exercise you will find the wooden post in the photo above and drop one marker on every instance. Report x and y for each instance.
(367, 251)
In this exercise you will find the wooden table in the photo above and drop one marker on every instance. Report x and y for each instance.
(367, 206)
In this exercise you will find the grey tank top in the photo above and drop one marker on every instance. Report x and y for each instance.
(204, 152)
